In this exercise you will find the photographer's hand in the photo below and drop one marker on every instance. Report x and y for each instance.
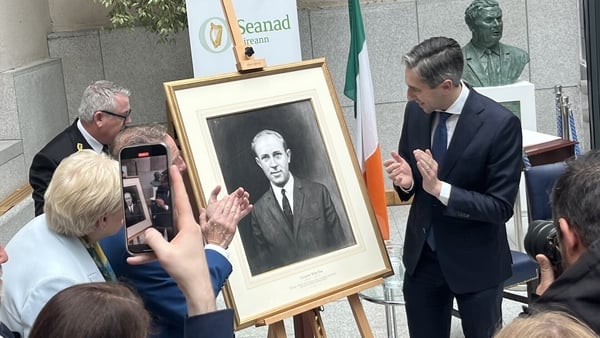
(546, 274)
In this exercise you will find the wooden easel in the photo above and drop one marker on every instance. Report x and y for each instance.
(307, 317)
(244, 55)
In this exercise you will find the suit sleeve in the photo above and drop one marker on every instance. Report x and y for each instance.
(258, 246)
(502, 173)
(218, 324)
(406, 154)
(159, 291)
(40, 173)
(332, 218)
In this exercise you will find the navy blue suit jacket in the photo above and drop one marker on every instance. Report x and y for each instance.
(218, 324)
(483, 165)
(161, 295)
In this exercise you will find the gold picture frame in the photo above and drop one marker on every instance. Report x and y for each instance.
(215, 119)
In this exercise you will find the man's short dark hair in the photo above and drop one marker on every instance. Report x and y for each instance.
(576, 194)
(435, 60)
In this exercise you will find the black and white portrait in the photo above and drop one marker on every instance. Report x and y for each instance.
(278, 155)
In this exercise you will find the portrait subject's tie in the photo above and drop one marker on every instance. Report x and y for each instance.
(287, 210)
(438, 150)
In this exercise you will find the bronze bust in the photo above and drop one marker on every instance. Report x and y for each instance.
(488, 62)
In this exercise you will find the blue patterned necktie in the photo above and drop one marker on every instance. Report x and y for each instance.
(440, 138)
(438, 150)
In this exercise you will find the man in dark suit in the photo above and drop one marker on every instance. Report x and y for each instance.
(295, 219)
(459, 158)
(103, 113)
(488, 62)
(133, 211)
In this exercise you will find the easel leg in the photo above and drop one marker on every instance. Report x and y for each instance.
(360, 316)
(309, 325)
(277, 330)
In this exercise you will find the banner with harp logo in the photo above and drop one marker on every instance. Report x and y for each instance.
(270, 27)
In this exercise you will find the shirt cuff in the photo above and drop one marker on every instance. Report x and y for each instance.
(412, 185)
(445, 193)
(214, 247)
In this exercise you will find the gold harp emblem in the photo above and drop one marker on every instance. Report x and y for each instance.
(216, 34)
(79, 146)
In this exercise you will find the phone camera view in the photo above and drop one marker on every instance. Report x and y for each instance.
(147, 200)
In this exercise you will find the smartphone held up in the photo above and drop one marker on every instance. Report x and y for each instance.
(147, 195)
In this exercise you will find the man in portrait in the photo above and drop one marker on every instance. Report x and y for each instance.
(133, 210)
(488, 62)
(295, 219)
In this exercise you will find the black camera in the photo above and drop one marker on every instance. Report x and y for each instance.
(541, 238)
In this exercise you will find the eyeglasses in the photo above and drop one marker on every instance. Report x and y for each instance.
(124, 117)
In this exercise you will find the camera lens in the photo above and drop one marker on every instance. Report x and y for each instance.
(537, 241)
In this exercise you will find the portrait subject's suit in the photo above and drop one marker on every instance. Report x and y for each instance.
(512, 62)
(482, 164)
(44, 163)
(316, 230)
(135, 216)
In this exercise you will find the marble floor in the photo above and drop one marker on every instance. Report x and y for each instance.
(337, 316)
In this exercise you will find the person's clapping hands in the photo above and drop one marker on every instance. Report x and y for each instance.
(183, 258)
(399, 171)
(223, 216)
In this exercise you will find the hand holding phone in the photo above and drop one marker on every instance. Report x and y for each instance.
(147, 195)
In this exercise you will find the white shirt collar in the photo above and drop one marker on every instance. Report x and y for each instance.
(459, 103)
(97, 146)
(289, 190)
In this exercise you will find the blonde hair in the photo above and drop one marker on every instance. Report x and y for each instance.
(548, 324)
(85, 187)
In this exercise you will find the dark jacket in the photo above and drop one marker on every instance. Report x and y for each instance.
(483, 165)
(46, 160)
(576, 290)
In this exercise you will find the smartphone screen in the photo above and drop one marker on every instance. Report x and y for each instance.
(147, 196)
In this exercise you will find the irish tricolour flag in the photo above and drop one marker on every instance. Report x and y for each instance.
(359, 88)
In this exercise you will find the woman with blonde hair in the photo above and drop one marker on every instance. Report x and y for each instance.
(60, 248)
(550, 324)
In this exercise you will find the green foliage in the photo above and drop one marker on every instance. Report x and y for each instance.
(163, 17)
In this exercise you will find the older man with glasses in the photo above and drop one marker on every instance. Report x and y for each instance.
(104, 111)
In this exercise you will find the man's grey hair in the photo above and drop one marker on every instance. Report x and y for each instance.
(473, 12)
(264, 133)
(435, 60)
(100, 95)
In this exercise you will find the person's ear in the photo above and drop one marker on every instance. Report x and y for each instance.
(570, 240)
(446, 84)
(257, 160)
(289, 155)
(98, 118)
